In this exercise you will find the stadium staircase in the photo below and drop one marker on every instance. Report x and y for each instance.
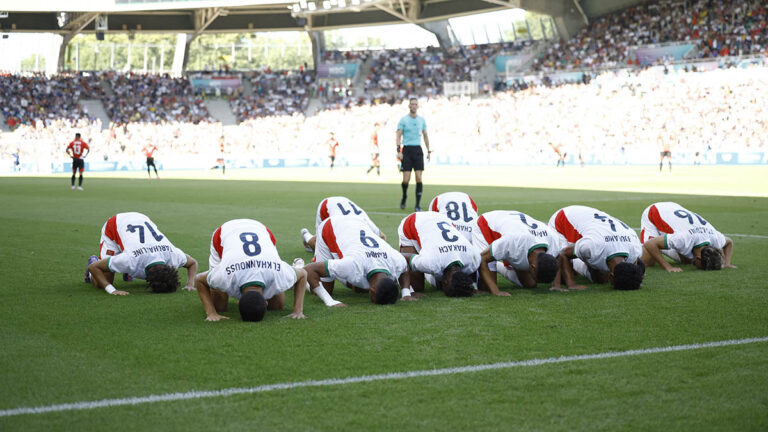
(362, 74)
(315, 104)
(221, 111)
(107, 88)
(247, 87)
(95, 108)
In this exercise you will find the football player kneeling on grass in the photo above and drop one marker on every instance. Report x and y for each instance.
(244, 264)
(599, 247)
(132, 245)
(350, 251)
(667, 228)
(517, 246)
(438, 252)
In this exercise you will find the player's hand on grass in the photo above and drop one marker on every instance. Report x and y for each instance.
(296, 315)
(215, 317)
(410, 298)
(558, 288)
(674, 270)
(121, 293)
(577, 287)
(729, 266)
(503, 294)
(189, 288)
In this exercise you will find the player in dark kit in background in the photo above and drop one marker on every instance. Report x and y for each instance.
(375, 150)
(75, 150)
(149, 152)
(410, 129)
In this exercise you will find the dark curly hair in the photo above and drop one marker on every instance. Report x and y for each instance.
(546, 268)
(386, 291)
(162, 278)
(252, 306)
(459, 284)
(627, 276)
(711, 258)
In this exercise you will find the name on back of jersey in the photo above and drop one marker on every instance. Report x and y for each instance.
(251, 264)
(369, 254)
(617, 238)
(150, 249)
(452, 248)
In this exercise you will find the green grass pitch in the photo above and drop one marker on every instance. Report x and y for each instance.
(62, 342)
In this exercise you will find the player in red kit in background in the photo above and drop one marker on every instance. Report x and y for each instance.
(332, 145)
(75, 150)
(149, 152)
(375, 150)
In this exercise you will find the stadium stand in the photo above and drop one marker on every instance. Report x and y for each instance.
(717, 28)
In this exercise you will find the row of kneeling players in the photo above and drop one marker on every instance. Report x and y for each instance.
(451, 246)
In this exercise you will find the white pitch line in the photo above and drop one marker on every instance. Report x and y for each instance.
(168, 397)
(748, 235)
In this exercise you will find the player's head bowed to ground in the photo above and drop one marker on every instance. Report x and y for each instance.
(438, 253)
(599, 247)
(348, 249)
(519, 247)
(244, 264)
(133, 245)
(669, 229)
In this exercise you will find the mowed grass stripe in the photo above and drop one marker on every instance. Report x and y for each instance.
(104, 403)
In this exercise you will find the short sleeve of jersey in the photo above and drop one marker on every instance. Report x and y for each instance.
(583, 249)
(120, 263)
(424, 264)
(506, 249)
(684, 244)
(219, 280)
(401, 124)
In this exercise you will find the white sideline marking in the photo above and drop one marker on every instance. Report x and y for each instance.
(76, 406)
(748, 235)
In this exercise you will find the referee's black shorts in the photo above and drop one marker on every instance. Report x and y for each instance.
(413, 158)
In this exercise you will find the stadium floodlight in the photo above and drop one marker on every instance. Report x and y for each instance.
(303, 4)
(326, 4)
(333, 2)
(311, 6)
(296, 8)
(342, 3)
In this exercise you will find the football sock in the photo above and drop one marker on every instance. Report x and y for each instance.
(80, 182)
(405, 191)
(73, 179)
(419, 188)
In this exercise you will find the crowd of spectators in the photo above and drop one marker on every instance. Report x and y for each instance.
(274, 93)
(153, 98)
(37, 98)
(616, 115)
(716, 28)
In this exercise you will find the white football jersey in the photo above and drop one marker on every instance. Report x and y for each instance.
(141, 245)
(511, 235)
(437, 242)
(460, 209)
(341, 206)
(596, 236)
(353, 252)
(246, 255)
(683, 229)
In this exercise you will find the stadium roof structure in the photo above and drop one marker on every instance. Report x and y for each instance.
(69, 17)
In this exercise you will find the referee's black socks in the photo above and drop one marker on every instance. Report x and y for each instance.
(419, 188)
